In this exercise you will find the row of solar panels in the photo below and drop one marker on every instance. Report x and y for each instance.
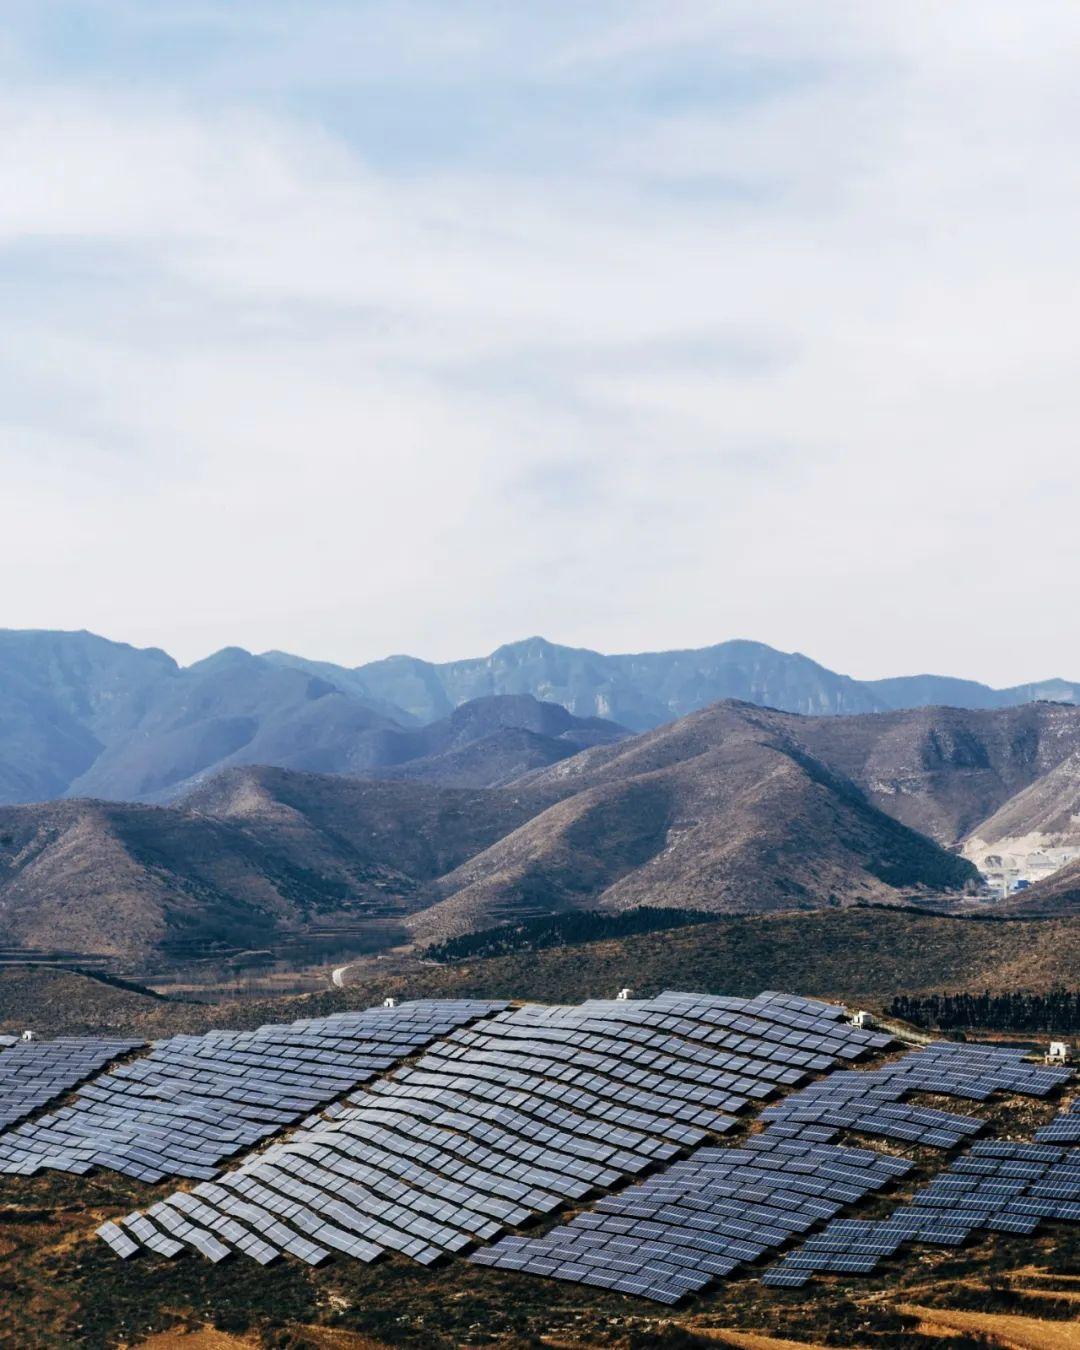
(738, 1204)
(34, 1073)
(871, 1102)
(193, 1101)
(701, 1218)
(505, 1120)
(1063, 1129)
(998, 1187)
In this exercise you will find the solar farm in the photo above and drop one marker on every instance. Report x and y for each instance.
(651, 1148)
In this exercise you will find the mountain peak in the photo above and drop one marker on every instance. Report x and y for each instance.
(224, 658)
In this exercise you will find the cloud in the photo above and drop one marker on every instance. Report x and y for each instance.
(637, 325)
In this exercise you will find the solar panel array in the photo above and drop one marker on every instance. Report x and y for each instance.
(650, 1239)
(502, 1121)
(997, 1187)
(871, 1102)
(195, 1100)
(701, 1218)
(34, 1073)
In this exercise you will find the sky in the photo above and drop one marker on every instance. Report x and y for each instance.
(355, 328)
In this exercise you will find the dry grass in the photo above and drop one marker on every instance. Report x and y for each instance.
(206, 1338)
(1008, 1330)
(753, 1340)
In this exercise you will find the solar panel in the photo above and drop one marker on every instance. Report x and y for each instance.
(701, 1218)
(870, 1102)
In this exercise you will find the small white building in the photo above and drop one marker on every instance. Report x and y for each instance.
(1059, 1052)
(624, 994)
(29, 1036)
(389, 1002)
(862, 1018)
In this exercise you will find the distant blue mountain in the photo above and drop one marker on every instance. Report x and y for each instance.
(83, 716)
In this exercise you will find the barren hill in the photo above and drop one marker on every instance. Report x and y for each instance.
(489, 741)
(1042, 822)
(734, 809)
(1056, 897)
(742, 809)
(721, 811)
(945, 770)
(256, 854)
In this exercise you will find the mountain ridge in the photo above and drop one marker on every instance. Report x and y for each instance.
(81, 715)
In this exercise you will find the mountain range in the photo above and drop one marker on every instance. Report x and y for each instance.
(731, 809)
(81, 716)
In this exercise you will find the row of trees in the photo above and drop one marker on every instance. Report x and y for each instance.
(1058, 1010)
(563, 930)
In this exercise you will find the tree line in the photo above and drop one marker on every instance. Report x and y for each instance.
(1058, 1010)
(563, 930)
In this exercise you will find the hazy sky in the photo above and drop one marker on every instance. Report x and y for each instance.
(357, 328)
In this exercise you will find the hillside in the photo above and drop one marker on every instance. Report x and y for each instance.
(944, 771)
(938, 691)
(860, 956)
(83, 717)
(1057, 895)
(256, 854)
(856, 955)
(734, 809)
(742, 809)
(237, 709)
(488, 742)
(230, 709)
(640, 691)
(722, 811)
(63, 697)
(1038, 828)
(67, 1003)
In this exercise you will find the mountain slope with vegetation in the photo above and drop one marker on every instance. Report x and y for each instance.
(862, 956)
